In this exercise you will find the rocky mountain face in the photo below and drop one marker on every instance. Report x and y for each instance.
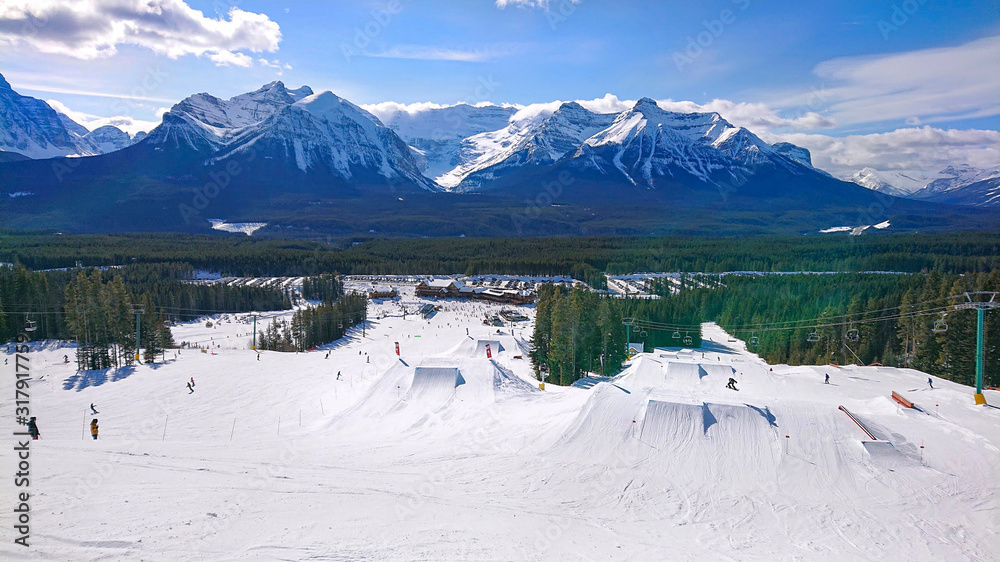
(30, 127)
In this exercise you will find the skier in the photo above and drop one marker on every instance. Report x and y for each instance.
(327, 355)
(368, 359)
(93, 428)
(732, 384)
(930, 382)
(93, 410)
(33, 429)
(192, 381)
(827, 381)
(338, 375)
(190, 388)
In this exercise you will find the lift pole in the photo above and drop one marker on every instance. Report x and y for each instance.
(979, 302)
(137, 309)
(254, 315)
(629, 322)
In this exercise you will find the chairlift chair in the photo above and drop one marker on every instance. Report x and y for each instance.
(642, 333)
(813, 337)
(688, 340)
(29, 324)
(853, 334)
(940, 326)
(677, 335)
(754, 340)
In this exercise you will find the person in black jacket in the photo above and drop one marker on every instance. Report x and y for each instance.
(732, 384)
(33, 428)
(93, 428)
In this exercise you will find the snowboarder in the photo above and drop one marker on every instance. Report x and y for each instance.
(65, 358)
(190, 388)
(930, 382)
(732, 384)
(327, 355)
(93, 428)
(338, 375)
(368, 359)
(33, 429)
(93, 410)
(827, 381)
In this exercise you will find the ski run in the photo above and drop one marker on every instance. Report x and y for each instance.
(443, 453)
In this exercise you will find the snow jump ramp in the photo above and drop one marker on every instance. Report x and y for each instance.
(434, 386)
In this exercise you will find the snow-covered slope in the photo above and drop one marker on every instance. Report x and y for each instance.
(948, 185)
(107, 139)
(646, 143)
(30, 127)
(535, 136)
(300, 456)
(302, 129)
(437, 134)
(954, 179)
(899, 184)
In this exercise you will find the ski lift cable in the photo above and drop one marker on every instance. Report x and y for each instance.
(772, 328)
(855, 314)
(909, 306)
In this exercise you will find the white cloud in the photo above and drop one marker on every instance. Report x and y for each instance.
(915, 87)
(229, 58)
(89, 29)
(91, 122)
(275, 64)
(418, 52)
(924, 149)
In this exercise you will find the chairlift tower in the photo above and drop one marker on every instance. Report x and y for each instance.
(254, 315)
(628, 322)
(980, 301)
(138, 310)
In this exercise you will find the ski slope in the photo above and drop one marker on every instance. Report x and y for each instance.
(444, 454)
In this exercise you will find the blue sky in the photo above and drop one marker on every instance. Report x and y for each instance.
(838, 70)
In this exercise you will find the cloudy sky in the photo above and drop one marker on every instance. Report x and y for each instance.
(892, 84)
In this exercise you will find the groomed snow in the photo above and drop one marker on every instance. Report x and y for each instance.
(444, 454)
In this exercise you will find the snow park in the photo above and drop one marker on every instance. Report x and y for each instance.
(429, 437)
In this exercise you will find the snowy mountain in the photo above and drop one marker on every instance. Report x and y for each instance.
(948, 185)
(28, 126)
(296, 128)
(898, 184)
(437, 135)
(646, 143)
(107, 139)
(31, 128)
(797, 153)
(533, 137)
(955, 178)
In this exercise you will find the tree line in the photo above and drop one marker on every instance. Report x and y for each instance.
(578, 331)
(164, 288)
(854, 318)
(586, 257)
(316, 325)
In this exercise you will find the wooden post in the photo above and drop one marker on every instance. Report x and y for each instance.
(164, 438)
(233, 431)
